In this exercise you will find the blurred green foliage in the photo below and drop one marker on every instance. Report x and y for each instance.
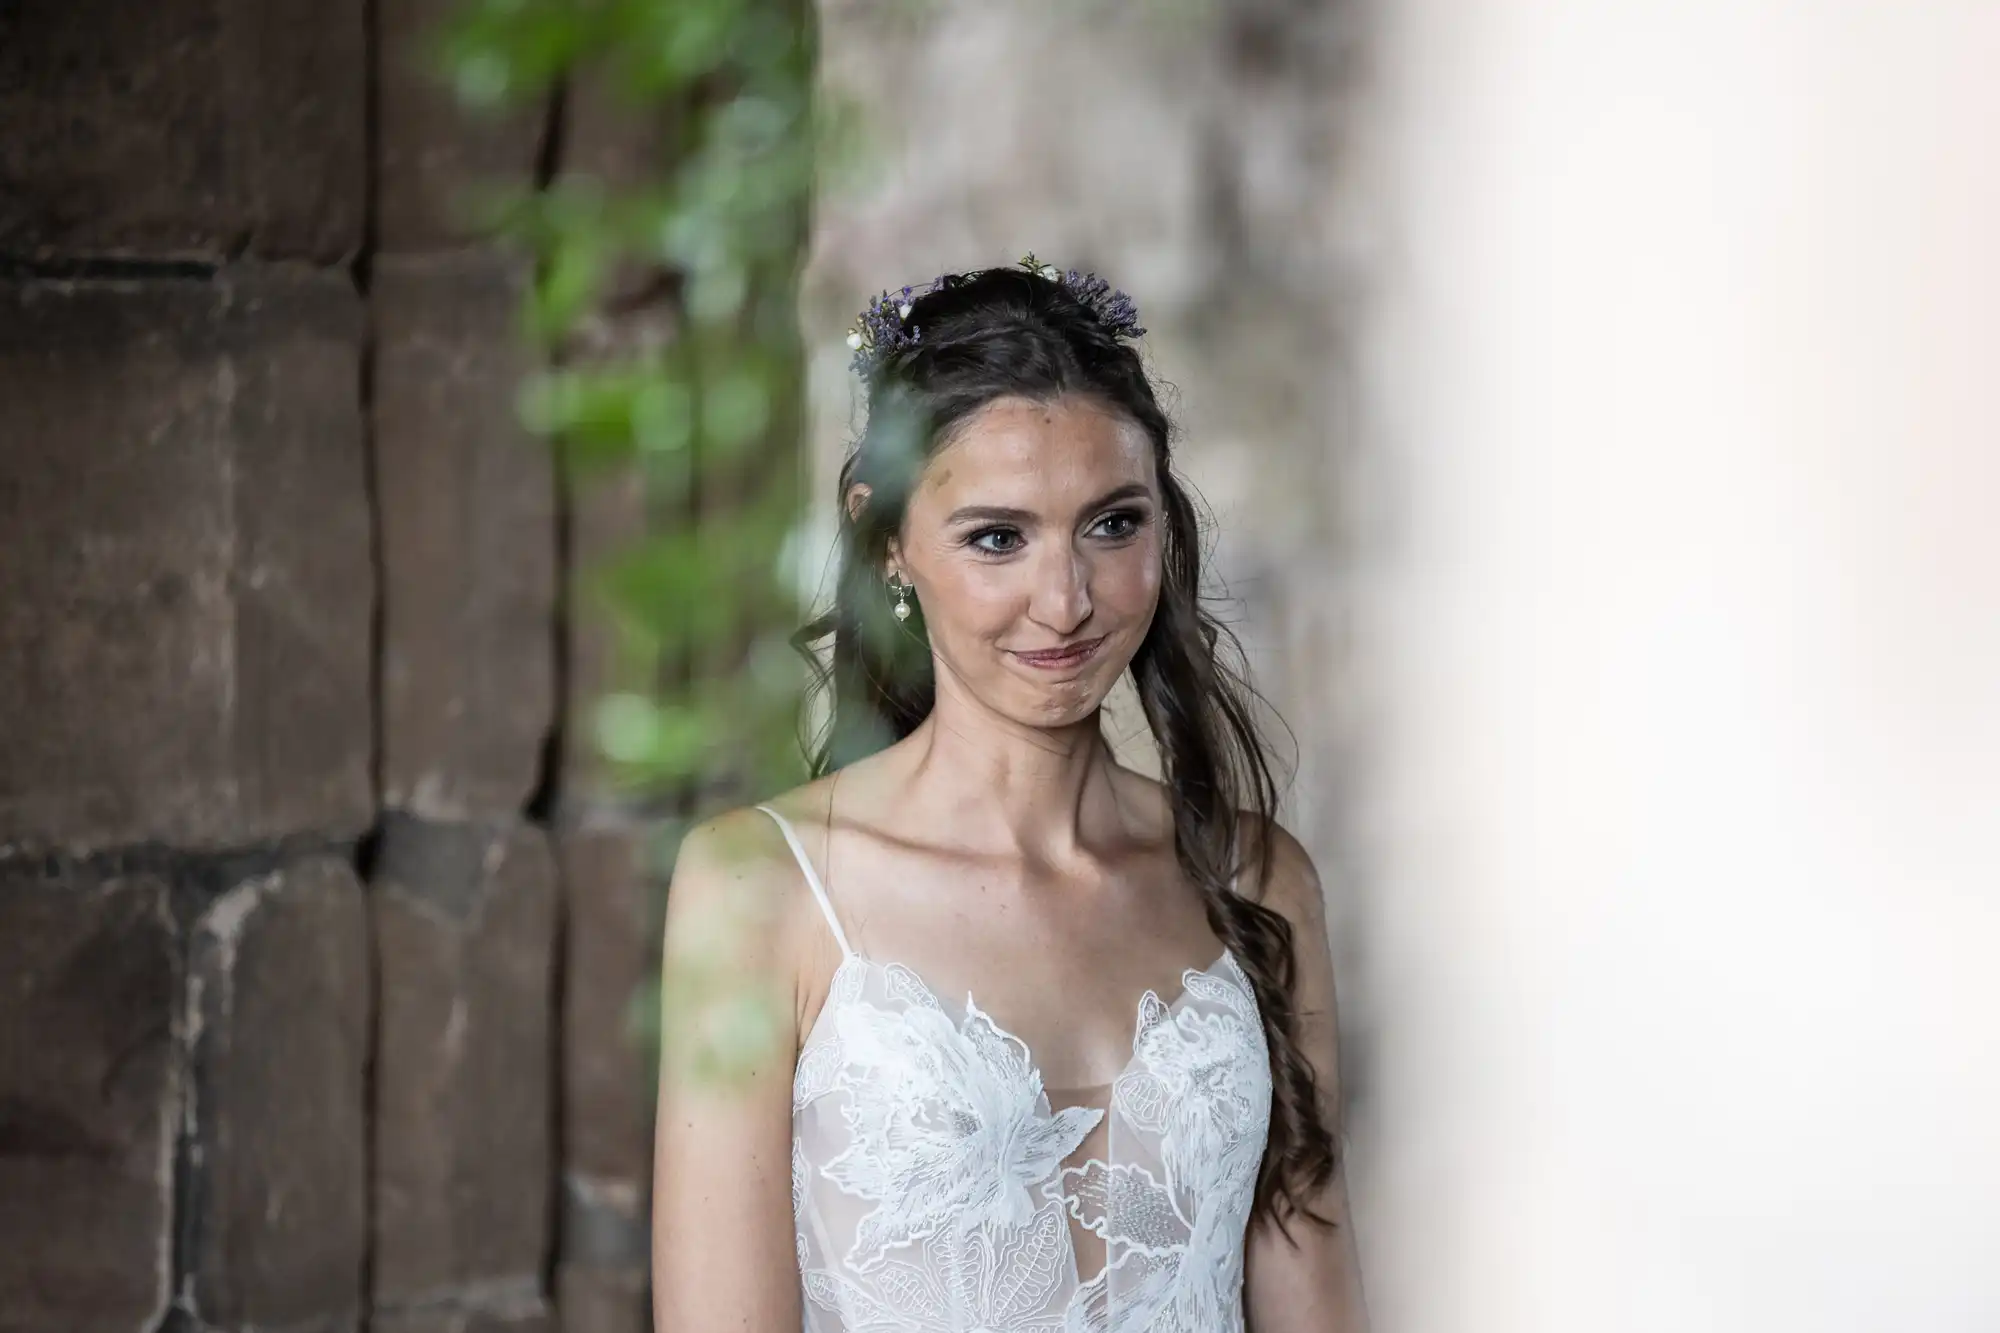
(711, 224)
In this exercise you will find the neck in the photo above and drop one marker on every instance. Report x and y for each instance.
(1004, 787)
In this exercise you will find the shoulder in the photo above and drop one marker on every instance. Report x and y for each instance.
(1279, 873)
(736, 883)
(738, 846)
(1287, 882)
(747, 843)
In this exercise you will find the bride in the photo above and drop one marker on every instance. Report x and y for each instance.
(1056, 1044)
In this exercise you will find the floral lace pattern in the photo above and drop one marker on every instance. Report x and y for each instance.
(929, 1180)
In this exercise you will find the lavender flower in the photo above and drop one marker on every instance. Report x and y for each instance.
(1113, 307)
(880, 330)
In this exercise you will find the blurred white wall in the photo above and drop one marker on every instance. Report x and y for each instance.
(1682, 831)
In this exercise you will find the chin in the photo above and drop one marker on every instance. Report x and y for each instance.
(1063, 705)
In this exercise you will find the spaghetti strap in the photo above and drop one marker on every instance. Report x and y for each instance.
(812, 878)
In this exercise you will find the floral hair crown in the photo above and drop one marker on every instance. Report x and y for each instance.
(881, 330)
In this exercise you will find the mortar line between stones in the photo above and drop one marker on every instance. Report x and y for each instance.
(364, 272)
(546, 802)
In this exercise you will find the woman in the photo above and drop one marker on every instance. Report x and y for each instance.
(1057, 1050)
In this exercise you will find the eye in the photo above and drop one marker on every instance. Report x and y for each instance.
(977, 540)
(1124, 522)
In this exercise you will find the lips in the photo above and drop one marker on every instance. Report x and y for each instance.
(1063, 657)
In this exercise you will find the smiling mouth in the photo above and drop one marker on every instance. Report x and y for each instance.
(1055, 658)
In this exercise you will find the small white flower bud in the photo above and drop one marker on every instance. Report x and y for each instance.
(854, 339)
(903, 310)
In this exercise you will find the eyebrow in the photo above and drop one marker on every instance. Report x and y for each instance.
(1005, 514)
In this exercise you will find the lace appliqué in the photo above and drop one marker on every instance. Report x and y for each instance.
(1174, 1217)
(947, 1124)
(946, 1207)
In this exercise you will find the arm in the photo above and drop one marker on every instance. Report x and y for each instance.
(722, 1203)
(1312, 1283)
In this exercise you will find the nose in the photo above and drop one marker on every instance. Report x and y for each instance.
(1061, 598)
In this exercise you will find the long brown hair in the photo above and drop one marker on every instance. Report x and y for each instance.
(1006, 332)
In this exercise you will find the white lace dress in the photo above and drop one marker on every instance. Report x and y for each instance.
(938, 1188)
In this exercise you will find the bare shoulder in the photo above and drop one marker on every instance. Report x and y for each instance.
(1287, 882)
(735, 884)
(731, 847)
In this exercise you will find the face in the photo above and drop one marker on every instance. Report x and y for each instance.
(1032, 542)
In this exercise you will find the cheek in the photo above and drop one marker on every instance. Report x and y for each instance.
(978, 598)
(1129, 581)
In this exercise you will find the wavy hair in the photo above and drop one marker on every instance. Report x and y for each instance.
(1007, 332)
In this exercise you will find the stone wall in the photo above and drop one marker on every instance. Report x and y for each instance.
(317, 933)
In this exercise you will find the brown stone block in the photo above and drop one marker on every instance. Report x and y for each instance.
(515, 1306)
(613, 146)
(187, 594)
(468, 520)
(464, 940)
(607, 516)
(182, 127)
(611, 950)
(603, 1300)
(435, 154)
(279, 1003)
(604, 1222)
(611, 143)
(613, 139)
(89, 1100)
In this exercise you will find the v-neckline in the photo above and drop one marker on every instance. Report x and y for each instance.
(853, 957)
